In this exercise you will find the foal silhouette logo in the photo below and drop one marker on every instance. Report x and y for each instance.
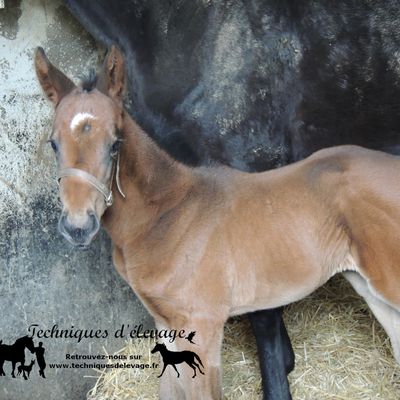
(15, 353)
(178, 357)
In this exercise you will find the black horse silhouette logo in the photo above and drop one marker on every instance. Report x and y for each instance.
(15, 353)
(178, 357)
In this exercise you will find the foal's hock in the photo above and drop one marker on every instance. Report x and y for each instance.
(198, 245)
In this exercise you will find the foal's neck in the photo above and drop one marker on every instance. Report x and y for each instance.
(152, 181)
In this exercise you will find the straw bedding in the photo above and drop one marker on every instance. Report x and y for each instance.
(341, 353)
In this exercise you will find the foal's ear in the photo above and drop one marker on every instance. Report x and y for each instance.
(112, 78)
(54, 83)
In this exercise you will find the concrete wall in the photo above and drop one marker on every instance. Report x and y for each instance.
(43, 280)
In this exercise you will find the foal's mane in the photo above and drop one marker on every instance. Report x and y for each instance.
(89, 80)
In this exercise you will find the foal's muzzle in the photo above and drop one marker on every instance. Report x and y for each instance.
(79, 236)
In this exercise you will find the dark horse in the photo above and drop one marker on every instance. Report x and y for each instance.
(15, 353)
(177, 357)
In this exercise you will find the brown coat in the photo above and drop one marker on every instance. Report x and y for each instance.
(198, 245)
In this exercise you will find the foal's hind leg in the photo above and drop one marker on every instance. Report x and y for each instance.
(388, 316)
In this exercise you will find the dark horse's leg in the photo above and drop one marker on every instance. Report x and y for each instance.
(274, 351)
(2, 373)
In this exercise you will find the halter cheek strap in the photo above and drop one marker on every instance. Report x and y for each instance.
(92, 180)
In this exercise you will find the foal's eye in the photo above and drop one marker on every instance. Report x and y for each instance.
(115, 147)
(53, 145)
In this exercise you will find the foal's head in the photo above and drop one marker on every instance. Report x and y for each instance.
(85, 139)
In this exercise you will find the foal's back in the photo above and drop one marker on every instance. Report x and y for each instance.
(289, 230)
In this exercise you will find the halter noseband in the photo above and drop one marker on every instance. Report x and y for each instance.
(92, 180)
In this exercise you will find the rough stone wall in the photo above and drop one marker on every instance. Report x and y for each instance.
(43, 280)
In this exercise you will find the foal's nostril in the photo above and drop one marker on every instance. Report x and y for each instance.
(94, 223)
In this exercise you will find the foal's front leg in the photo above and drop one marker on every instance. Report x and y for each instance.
(209, 335)
(275, 352)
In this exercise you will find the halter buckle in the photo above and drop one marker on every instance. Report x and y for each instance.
(109, 200)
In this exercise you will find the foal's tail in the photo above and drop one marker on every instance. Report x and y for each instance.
(198, 359)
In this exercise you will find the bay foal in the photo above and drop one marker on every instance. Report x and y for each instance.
(198, 245)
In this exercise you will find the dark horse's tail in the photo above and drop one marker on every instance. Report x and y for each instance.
(198, 359)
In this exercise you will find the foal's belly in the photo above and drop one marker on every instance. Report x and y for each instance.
(285, 295)
(279, 287)
(271, 291)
